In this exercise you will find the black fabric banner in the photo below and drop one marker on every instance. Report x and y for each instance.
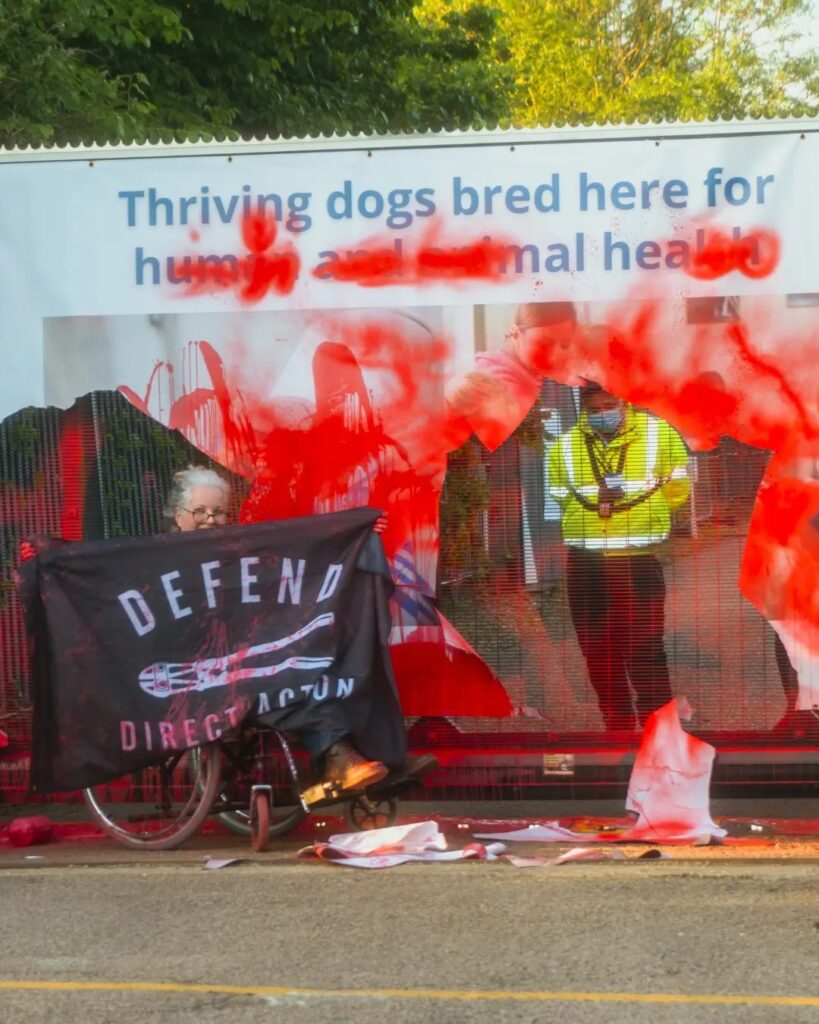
(145, 646)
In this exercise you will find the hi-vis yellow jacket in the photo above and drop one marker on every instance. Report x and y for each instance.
(656, 481)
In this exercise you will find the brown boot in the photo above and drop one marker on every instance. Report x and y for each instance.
(344, 770)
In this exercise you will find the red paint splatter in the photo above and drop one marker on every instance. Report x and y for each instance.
(722, 379)
(746, 379)
(781, 559)
(371, 436)
(251, 276)
(755, 254)
(740, 379)
(346, 451)
(206, 410)
(434, 681)
(381, 261)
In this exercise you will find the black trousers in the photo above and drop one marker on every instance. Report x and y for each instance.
(617, 604)
(787, 673)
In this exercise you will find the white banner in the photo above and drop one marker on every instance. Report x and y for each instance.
(331, 317)
(566, 215)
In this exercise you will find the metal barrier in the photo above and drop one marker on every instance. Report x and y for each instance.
(102, 469)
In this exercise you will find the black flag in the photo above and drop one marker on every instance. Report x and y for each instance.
(150, 645)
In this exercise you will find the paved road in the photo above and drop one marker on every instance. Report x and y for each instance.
(464, 933)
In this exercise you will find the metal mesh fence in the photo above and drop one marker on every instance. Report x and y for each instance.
(102, 469)
(507, 593)
(99, 469)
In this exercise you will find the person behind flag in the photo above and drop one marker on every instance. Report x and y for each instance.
(617, 476)
(199, 500)
(778, 572)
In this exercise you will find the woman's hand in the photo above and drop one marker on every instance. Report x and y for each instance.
(380, 524)
(27, 551)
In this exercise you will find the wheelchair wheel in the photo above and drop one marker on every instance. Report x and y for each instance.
(159, 807)
(260, 819)
(363, 813)
(286, 810)
(282, 820)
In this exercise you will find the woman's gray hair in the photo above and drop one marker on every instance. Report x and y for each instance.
(185, 480)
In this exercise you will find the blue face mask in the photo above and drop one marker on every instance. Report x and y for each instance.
(608, 421)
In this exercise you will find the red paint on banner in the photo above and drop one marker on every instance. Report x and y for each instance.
(436, 682)
(755, 254)
(371, 435)
(725, 376)
(345, 447)
(381, 261)
(251, 276)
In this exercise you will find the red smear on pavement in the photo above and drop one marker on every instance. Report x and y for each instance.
(320, 826)
(64, 832)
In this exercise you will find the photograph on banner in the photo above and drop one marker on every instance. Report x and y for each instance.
(332, 409)
(316, 412)
(694, 629)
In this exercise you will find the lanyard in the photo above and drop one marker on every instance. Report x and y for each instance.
(600, 465)
(604, 506)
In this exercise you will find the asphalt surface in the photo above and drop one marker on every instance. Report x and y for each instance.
(309, 942)
(643, 929)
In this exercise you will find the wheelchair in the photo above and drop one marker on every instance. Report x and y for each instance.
(250, 782)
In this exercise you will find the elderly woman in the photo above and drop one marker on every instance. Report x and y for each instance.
(200, 499)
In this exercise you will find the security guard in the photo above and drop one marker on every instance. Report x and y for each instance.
(617, 476)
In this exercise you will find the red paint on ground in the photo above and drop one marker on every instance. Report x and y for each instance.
(606, 830)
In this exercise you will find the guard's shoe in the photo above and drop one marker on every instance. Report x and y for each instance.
(345, 770)
(419, 765)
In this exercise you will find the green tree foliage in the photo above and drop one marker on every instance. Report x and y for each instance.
(122, 69)
(119, 69)
(613, 60)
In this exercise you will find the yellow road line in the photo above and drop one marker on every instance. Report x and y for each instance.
(440, 994)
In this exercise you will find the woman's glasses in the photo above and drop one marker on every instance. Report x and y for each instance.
(202, 515)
